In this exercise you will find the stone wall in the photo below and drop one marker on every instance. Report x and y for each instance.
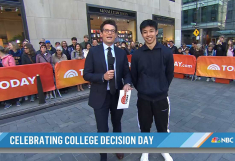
(59, 20)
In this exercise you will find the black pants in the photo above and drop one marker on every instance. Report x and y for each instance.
(160, 110)
(102, 114)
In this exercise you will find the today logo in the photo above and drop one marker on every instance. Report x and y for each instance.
(72, 73)
(17, 82)
(224, 67)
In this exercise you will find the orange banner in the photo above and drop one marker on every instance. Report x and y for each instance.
(69, 73)
(21, 80)
(129, 60)
(185, 64)
(216, 66)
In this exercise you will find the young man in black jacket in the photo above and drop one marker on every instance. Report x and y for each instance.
(152, 68)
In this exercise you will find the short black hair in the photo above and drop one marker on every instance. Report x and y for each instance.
(108, 22)
(57, 43)
(147, 23)
(194, 42)
(124, 42)
(73, 38)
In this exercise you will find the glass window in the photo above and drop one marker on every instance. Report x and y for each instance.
(229, 15)
(204, 14)
(214, 10)
(185, 17)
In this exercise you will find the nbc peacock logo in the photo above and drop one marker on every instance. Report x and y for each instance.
(71, 74)
(213, 67)
(124, 99)
(215, 140)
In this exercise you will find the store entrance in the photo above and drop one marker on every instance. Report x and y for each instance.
(11, 23)
(126, 23)
(166, 28)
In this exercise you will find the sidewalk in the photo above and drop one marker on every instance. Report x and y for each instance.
(27, 106)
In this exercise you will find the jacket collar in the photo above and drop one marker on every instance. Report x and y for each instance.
(157, 46)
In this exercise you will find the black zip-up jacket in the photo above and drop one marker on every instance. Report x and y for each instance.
(152, 71)
(26, 60)
(174, 49)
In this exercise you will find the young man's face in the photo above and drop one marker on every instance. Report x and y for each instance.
(186, 51)
(86, 39)
(109, 34)
(48, 45)
(74, 42)
(149, 34)
(179, 50)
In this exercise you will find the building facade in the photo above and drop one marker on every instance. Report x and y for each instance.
(58, 20)
(209, 17)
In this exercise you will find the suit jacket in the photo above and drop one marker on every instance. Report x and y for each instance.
(95, 68)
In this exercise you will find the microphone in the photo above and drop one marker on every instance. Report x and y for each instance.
(111, 63)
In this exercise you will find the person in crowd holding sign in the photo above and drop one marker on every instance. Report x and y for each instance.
(230, 50)
(220, 47)
(29, 57)
(106, 67)
(45, 57)
(78, 54)
(15, 52)
(7, 60)
(210, 52)
(152, 70)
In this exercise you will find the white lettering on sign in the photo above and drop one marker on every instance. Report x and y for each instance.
(81, 70)
(16, 83)
(180, 64)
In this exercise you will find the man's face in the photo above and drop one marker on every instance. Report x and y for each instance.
(184, 46)
(86, 39)
(179, 50)
(149, 34)
(171, 44)
(48, 45)
(109, 34)
(94, 43)
(74, 42)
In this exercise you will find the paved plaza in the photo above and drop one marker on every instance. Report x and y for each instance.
(197, 106)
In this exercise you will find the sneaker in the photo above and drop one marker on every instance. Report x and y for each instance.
(213, 79)
(8, 105)
(20, 99)
(167, 157)
(47, 97)
(89, 86)
(18, 103)
(208, 79)
(144, 157)
(51, 96)
(198, 78)
(26, 98)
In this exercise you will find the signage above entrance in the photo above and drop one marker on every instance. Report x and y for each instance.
(164, 20)
(107, 11)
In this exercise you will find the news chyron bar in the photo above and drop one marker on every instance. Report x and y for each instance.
(129, 141)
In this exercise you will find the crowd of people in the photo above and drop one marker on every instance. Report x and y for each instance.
(21, 54)
(13, 55)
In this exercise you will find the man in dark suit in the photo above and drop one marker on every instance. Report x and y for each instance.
(106, 67)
